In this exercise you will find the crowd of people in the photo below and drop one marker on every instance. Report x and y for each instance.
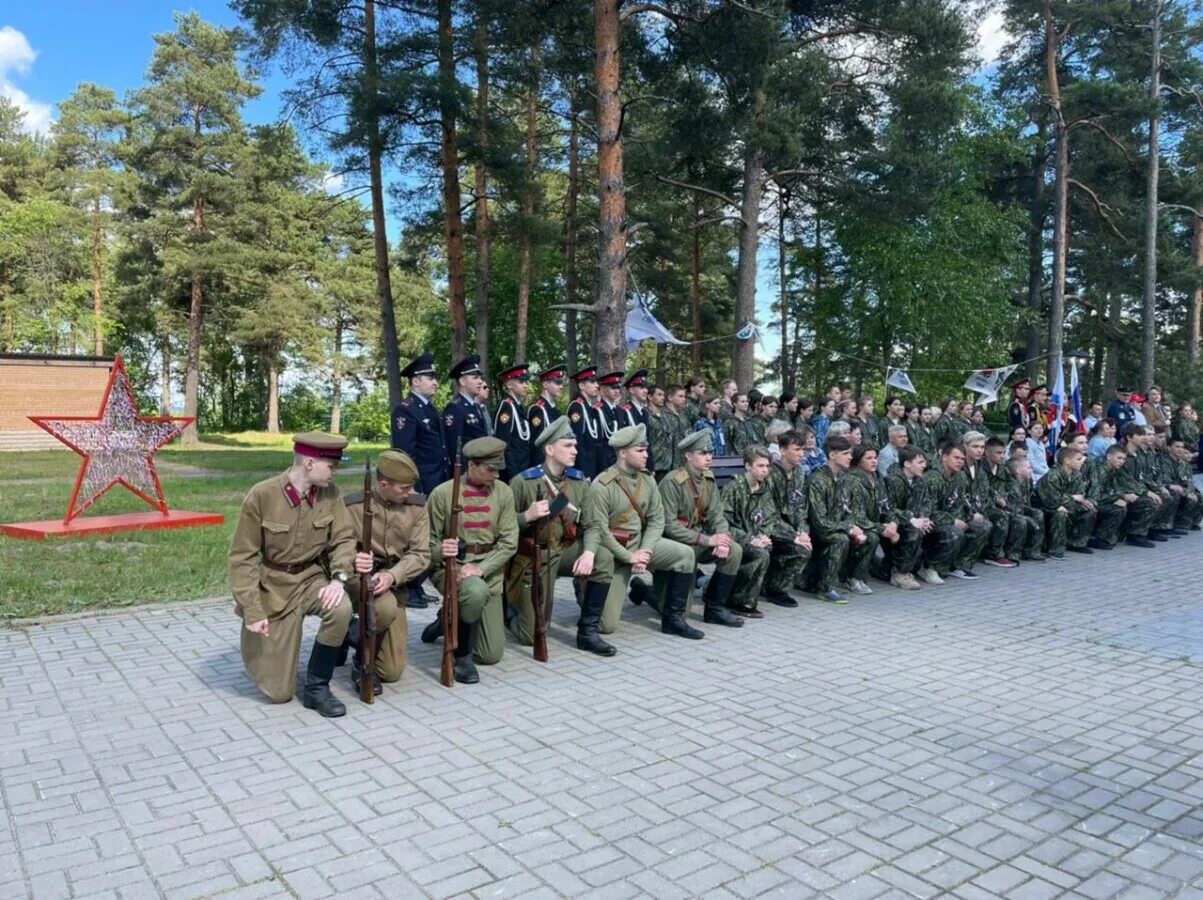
(621, 497)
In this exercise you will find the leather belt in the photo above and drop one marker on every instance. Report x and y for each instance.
(478, 548)
(291, 568)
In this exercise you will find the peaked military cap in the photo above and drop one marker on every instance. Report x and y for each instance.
(556, 431)
(555, 373)
(396, 466)
(520, 371)
(698, 440)
(631, 436)
(612, 379)
(589, 373)
(1022, 383)
(423, 365)
(319, 445)
(488, 451)
(469, 365)
(639, 379)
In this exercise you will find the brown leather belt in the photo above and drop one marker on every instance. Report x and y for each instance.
(478, 548)
(291, 568)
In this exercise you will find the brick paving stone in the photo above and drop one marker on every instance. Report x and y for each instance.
(1011, 737)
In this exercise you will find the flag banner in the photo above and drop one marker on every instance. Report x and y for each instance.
(1075, 393)
(1056, 405)
(989, 381)
(748, 331)
(897, 378)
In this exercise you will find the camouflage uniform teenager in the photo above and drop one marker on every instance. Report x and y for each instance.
(902, 559)
(1142, 466)
(977, 502)
(833, 529)
(1166, 466)
(1190, 508)
(792, 544)
(694, 516)
(1026, 536)
(1017, 527)
(943, 491)
(1069, 514)
(872, 511)
(1112, 487)
(753, 518)
(985, 500)
(676, 426)
(737, 428)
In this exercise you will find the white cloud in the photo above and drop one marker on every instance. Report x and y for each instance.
(991, 37)
(16, 58)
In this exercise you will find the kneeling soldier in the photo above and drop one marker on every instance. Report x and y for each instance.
(694, 516)
(400, 553)
(569, 543)
(625, 506)
(292, 551)
(752, 513)
(488, 537)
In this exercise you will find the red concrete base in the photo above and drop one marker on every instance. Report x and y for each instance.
(147, 521)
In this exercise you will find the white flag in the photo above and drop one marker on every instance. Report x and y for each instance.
(989, 381)
(897, 378)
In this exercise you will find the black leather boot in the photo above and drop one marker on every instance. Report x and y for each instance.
(672, 621)
(716, 595)
(587, 637)
(317, 683)
(433, 631)
(640, 592)
(465, 668)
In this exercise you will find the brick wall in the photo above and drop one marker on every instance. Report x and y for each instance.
(47, 386)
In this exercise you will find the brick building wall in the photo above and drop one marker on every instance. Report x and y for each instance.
(36, 385)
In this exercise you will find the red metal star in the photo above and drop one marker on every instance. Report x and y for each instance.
(118, 445)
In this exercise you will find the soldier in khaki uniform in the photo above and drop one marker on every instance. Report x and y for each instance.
(292, 552)
(400, 553)
(488, 537)
(629, 514)
(694, 516)
(569, 544)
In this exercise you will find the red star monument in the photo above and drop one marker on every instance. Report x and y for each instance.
(118, 445)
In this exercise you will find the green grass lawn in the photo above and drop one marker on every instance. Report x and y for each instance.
(64, 575)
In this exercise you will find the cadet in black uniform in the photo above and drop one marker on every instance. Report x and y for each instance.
(636, 407)
(465, 419)
(583, 420)
(610, 417)
(544, 410)
(511, 425)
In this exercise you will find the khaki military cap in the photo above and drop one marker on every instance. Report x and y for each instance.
(631, 436)
(397, 467)
(488, 451)
(319, 444)
(557, 430)
(698, 440)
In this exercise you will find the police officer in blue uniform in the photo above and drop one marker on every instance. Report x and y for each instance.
(464, 418)
(511, 424)
(543, 411)
(583, 420)
(610, 417)
(418, 431)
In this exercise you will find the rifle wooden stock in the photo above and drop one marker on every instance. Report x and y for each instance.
(367, 600)
(450, 610)
(536, 600)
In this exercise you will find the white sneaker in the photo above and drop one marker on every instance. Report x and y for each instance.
(858, 587)
(930, 576)
(904, 581)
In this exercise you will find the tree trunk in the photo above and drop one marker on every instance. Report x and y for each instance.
(1096, 366)
(195, 322)
(743, 353)
(273, 397)
(787, 375)
(481, 192)
(336, 392)
(695, 286)
(384, 284)
(449, 157)
(1194, 311)
(1037, 213)
(97, 278)
(9, 343)
(528, 208)
(1111, 373)
(1056, 314)
(818, 317)
(1148, 336)
(609, 326)
(570, 232)
(165, 388)
(661, 363)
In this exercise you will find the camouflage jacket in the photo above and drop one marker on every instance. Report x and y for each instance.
(789, 492)
(1106, 485)
(753, 512)
(830, 499)
(908, 501)
(740, 434)
(1058, 487)
(871, 504)
(946, 495)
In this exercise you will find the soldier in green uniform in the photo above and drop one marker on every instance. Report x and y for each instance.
(487, 539)
(753, 517)
(1143, 466)
(1069, 514)
(694, 516)
(943, 492)
(677, 425)
(1113, 488)
(569, 544)
(984, 500)
(738, 429)
(792, 543)
(902, 559)
(662, 427)
(291, 554)
(1166, 467)
(1190, 507)
(837, 537)
(625, 506)
(872, 512)
(1027, 520)
(400, 553)
(695, 393)
(1185, 428)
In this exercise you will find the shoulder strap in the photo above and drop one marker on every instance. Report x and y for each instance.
(699, 507)
(634, 503)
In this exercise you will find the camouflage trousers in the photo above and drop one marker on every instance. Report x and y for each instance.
(1190, 512)
(860, 556)
(1000, 532)
(750, 579)
(786, 566)
(1164, 517)
(1117, 523)
(1068, 526)
(940, 547)
(1025, 535)
(973, 541)
(902, 555)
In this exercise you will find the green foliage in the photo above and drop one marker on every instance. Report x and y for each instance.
(368, 417)
(303, 408)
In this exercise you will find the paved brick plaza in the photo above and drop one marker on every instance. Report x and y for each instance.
(1036, 733)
